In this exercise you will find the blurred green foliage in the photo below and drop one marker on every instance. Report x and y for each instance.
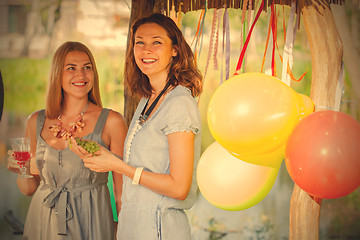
(25, 82)
(110, 65)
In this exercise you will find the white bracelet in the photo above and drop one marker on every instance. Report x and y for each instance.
(137, 175)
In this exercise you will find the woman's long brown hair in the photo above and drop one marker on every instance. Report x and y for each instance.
(182, 69)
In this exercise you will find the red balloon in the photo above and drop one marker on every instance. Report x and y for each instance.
(322, 154)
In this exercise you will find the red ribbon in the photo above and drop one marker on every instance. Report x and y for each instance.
(241, 58)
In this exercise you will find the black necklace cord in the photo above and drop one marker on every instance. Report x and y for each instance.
(144, 115)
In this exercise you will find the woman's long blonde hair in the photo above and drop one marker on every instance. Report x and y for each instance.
(55, 95)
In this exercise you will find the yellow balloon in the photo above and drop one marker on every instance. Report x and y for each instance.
(231, 184)
(253, 113)
(306, 105)
(270, 159)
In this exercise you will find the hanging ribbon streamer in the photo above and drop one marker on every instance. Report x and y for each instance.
(226, 33)
(172, 15)
(212, 36)
(339, 92)
(243, 32)
(198, 35)
(274, 34)
(288, 46)
(284, 30)
(216, 44)
(249, 20)
(180, 17)
(287, 60)
(242, 41)
(202, 27)
(289, 72)
(284, 26)
(246, 28)
(225, 47)
(198, 39)
(242, 35)
(238, 67)
(249, 13)
(297, 22)
(243, 13)
(267, 43)
(222, 49)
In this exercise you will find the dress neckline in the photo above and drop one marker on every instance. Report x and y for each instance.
(86, 136)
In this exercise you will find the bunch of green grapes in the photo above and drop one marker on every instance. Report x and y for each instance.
(89, 146)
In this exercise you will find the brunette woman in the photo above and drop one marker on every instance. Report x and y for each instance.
(162, 147)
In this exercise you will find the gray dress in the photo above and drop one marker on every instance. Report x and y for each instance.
(71, 202)
(145, 214)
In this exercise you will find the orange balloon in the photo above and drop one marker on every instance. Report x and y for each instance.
(323, 154)
(253, 114)
(231, 184)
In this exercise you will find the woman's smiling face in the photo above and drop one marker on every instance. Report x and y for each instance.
(153, 50)
(78, 74)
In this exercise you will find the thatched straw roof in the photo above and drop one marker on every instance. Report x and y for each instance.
(193, 5)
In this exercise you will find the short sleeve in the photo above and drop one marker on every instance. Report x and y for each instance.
(181, 115)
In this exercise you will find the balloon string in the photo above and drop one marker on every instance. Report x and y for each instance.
(323, 107)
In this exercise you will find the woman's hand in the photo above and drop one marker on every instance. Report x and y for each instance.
(101, 162)
(78, 150)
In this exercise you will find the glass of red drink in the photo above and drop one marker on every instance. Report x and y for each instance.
(21, 148)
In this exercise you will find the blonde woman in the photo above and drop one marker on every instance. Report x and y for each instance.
(69, 200)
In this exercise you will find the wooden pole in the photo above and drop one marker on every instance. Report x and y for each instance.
(326, 56)
(139, 9)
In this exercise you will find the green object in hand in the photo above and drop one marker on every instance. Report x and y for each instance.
(89, 146)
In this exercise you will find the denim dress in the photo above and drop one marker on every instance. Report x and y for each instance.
(145, 214)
